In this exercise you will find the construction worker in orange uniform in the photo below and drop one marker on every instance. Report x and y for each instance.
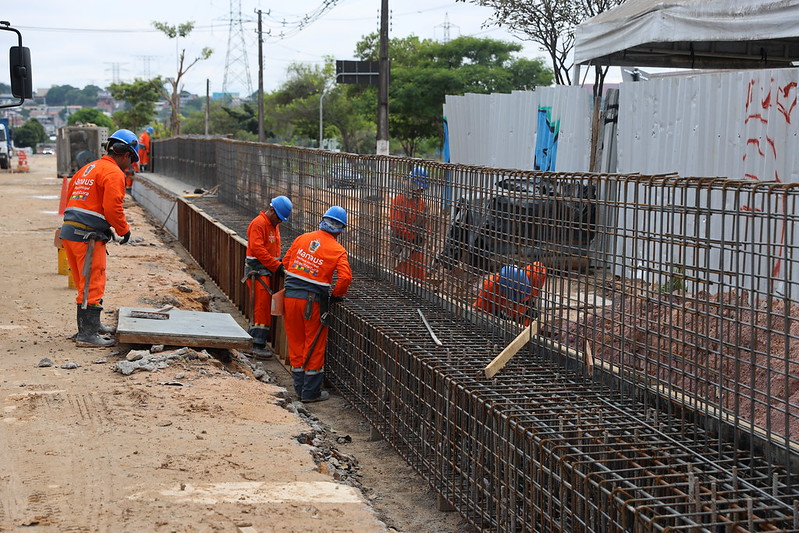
(310, 263)
(409, 226)
(144, 149)
(512, 293)
(262, 266)
(94, 207)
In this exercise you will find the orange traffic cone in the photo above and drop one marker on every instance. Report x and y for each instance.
(62, 203)
(22, 161)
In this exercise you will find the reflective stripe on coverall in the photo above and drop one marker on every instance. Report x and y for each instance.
(310, 264)
(491, 300)
(95, 196)
(263, 244)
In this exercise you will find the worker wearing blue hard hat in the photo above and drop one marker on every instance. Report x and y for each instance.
(262, 267)
(311, 262)
(512, 293)
(408, 220)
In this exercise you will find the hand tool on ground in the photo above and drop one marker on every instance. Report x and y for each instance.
(429, 329)
(512, 349)
(160, 314)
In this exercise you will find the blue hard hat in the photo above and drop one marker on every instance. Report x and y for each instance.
(129, 139)
(282, 206)
(514, 283)
(149, 129)
(337, 213)
(420, 177)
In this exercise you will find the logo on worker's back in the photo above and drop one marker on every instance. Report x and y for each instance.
(89, 169)
(314, 246)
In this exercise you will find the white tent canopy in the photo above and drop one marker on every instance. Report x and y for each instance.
(740, 34)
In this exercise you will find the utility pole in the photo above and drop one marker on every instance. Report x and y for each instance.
(207, 104)
(261, 136)
(382, 87)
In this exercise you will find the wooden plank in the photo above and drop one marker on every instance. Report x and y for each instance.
(184, 328)
(511, 349)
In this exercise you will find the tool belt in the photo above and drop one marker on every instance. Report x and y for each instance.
(253, 267)
(89, 233)
(310, 297)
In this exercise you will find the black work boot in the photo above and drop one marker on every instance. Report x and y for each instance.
(88, 328)
(312, 388)
(104, 330)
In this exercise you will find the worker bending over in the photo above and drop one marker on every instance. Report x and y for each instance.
(512, 293)
(94, 206)
(409, 226)
(310, 263)
(262, 268)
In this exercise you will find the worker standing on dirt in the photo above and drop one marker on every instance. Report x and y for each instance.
(144, 148)
(262, 267)
(409, 226)
(310, 263)
(94, 207)
(512, 293)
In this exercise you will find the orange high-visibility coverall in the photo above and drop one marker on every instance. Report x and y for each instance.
(491, 300)
(95, 196)
(309, 265)
(144, 149)
(263, 244)
(408, 226)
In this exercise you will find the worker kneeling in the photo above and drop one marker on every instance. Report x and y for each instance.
(512, 293)
(310, 264)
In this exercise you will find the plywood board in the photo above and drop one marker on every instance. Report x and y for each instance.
(183, 328)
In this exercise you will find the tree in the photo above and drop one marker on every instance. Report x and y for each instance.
(423, 72)
(173, 32)
(59, 95)
(549, 23)
(141, 97)
(30, 134)
(89, 115)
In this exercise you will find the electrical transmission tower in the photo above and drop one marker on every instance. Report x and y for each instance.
(237, 68)
(446, 26)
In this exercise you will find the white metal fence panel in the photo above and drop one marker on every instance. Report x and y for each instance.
(740, 124)
(501, 130)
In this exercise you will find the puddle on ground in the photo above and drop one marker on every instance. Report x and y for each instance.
(49, 212)
(46, 197)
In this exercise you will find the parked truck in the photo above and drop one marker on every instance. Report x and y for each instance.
(6, 149)
(78, 145)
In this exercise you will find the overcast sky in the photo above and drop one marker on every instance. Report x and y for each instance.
(93, 42)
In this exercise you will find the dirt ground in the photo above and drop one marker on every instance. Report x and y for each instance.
(208, 442)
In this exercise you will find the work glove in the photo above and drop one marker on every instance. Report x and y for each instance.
(125, 238)
(334, 299)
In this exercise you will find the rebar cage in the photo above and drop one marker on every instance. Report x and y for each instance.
(660, 391)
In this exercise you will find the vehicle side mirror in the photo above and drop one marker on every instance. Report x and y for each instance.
(19, 60)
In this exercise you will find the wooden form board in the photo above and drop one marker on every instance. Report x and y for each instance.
(512, 349)
(183, 328)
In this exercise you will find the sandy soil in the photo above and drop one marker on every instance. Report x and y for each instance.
(211, 442)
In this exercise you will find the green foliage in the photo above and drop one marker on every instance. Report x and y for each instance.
(65, 95)
(89, 115)
(174, 31)
(423, 72)
(30, 134)
(550, 23)
(141, 96)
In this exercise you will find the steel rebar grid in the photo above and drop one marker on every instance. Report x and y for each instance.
(543, 449)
